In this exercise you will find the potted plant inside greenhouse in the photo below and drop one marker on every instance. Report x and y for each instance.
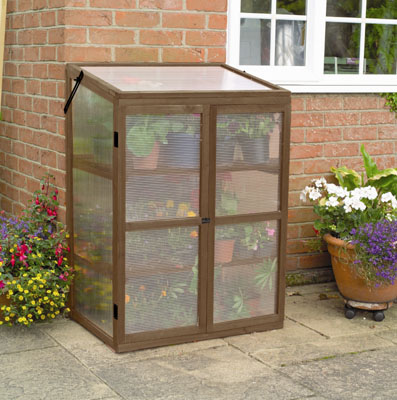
(358, 219)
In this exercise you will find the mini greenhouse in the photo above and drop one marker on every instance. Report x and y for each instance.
(177, 201)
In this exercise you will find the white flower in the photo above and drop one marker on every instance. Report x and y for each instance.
(386, 197)
(358, 205)
(302, 196)
(314, 195)
(371, 192)
(319, 183)
(332, 202)
(337, 190)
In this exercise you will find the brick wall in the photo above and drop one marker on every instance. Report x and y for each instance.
(44, 34)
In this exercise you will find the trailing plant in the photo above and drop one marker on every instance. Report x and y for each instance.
(34, 271)
(391, 101)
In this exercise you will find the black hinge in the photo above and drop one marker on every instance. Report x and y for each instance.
(205, 220)
(116, 139)
(115, 311)
(76, 86)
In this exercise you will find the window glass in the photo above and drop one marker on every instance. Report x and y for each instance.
(254, 41)
(344, 8)
(290, 43)
(256, 6)
(386, 9)
(380, 49)
(342, 48)
(296, 7)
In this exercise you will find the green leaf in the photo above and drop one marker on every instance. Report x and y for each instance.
(347, 178)
(385, 182)
(369, 164)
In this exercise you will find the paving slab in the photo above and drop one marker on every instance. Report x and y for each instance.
(365, 376)
(293, 333)
(18, 339)
(219, 373)
(48, 374)
(304, 352)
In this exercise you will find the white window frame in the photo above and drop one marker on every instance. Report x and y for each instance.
(310, 78)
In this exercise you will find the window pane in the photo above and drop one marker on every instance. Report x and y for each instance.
(290, 43)
(256, 6)
(254, 42)
(382, 9)
(343, 8)
(342, 48)
(297, 7)
(380, 49)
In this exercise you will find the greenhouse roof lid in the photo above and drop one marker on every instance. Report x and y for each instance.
(175, 78)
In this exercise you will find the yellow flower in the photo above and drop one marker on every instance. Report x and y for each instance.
(26, 291)
(10, 292)
(29, 315)
(8, 309)
(24, 275)
(23, 307)
(45, 298)
(170, 203)
(33, 302)
(191, 214)
(1, 264)
(43, 316)
(67, 236)
(48, 291)
(6, 318)
(34, 287)
(164, 293)
(20, 298)
(11, 250)
(39, 255)
(39, 311)
(1, 322)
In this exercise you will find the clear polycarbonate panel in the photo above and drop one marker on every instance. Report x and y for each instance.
(92, 221)
(255, 41)
(247, 163)
(161, 279)
(173, 78)
(93, 294)
(290, 43)
(386, 9)
(380, 56)
(163, 157)
(92, 127)
(256, 6)
(246, 270)
(351, 8)
(295, 7)
(342, 48)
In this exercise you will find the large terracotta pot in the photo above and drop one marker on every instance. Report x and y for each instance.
(148, 162)
(350, 284)
(224, 251)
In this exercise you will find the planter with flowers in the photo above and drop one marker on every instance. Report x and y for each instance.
(34, 273)
(358, 219)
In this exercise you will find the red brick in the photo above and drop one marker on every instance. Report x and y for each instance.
(25, 103)
(56, 36)
(56, 71)
(5, 144)
(25, 37)
(40, 139)
(295, 167)
(49, 123)
(48, 18)
(298, 246)
(298, 104)
(39, 36)
(360, 133)
(160, 37)
(56, 108)
(39, 4)
(75, 3)
(32, 20)
(32, 153)
(32, 54)
(161, 4)
(25, 166)
(341, 150)
(40, 71)
(320, 135)
(11, 162)
(10, 37)
(75, 35)
(318, 166)
(33, 120)
(18, 85)
(39, 171)
(40, 105)
(360, 102)
(292, 263)
(297, 135)
(387, 132)
(61, 90)
(88, 18)
(293, 231)
(18, 21)
(315, 260)
(205, 38)
(48, 88)
(48, 53)
(342, 118)
(18, 180)
(376, 148)
(183, 20)
(130, 54)
(316, 103)
(128, 4)
(137, 19)
(217, 21)
(298, 182)
(301, 215)
(377, 117)
(24, 5)
(183, 55)
(57, 143)
(306, 151)
(48, 158)
(10, 100)
(206, 5)
(75, 54)
(111, 36)
(10, 69)
(307, 119)
(216, 54)
(33, 86)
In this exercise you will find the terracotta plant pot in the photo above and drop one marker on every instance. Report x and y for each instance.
(3, 301)
(224, 251)
(148, 162)
(350, 284)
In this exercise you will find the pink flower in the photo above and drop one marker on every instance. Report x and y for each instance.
(270, 232)
(12, 260)
(1, 285)
(37, 200)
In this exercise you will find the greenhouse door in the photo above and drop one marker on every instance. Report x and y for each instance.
(165, 204)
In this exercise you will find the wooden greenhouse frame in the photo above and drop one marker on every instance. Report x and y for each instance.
(208, 104)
